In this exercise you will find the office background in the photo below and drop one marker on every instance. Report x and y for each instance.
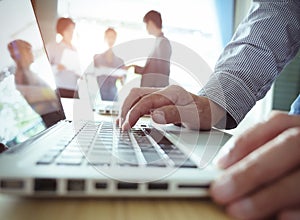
(194, 26)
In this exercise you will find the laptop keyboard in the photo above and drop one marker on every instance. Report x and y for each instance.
(104, 144)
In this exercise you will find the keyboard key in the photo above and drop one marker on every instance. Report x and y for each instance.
(102, 148)
(69, 161)
(126, 157)
(145, 149)
(45, 160)
(151, 156)
(72, 154)
(188, 164)
(99, 158)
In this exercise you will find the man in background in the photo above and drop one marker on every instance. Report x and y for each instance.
(156, 71)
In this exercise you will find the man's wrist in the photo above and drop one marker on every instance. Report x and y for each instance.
(218, 115)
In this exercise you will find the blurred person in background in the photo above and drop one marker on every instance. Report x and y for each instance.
(156, 71)
(64, 59)
(107, 63)
(35, 90)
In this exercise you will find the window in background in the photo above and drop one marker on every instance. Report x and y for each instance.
(287, 85)
(192, 23)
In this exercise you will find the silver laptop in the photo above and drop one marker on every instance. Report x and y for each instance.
(45, 155)
(98, 105)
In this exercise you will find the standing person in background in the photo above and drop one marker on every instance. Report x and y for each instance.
(64, 59)
(156, 71)
(109, 62)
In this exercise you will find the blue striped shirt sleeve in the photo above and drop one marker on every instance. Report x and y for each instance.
(265, 41)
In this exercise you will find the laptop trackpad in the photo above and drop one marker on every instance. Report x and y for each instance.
(204, 145)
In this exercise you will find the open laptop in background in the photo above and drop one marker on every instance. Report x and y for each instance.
(97, 102)
(50, 156)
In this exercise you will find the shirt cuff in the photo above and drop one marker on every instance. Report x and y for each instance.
(232, 94)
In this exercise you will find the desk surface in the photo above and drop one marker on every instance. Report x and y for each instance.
(14, 208)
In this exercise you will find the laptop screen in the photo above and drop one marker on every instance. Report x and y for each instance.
(28, 102)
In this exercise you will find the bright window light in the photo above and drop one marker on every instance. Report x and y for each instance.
(192, 23)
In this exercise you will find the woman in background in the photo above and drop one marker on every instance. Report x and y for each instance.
(110, 62)
(64, 59)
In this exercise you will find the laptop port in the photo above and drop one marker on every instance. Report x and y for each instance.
(11, 184)
(100, 185)
(190, 186)
(76, 185)
(127, 186)
(158, 186)
(45, 185)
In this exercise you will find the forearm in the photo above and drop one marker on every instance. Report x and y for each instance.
(256, 55)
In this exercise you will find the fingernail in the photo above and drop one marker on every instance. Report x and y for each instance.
(159, 117)
(223, 189)
(241, 209)
(126, 126)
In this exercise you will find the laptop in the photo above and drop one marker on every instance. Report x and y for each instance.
(91, 87)
(46, 155)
